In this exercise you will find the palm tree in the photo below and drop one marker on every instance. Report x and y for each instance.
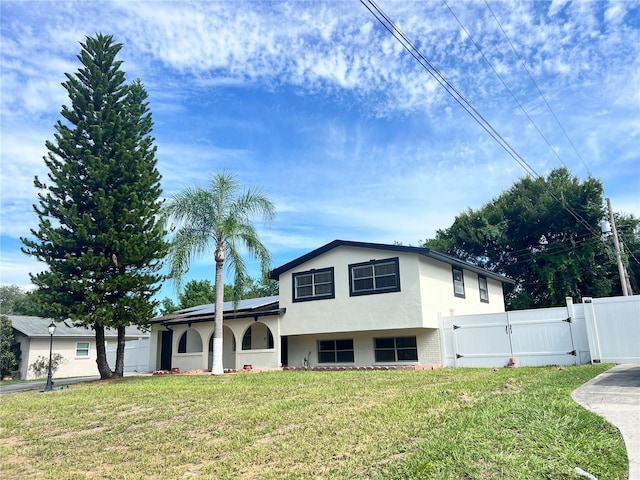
(220, 219)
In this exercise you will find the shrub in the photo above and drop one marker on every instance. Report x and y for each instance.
(40, 367)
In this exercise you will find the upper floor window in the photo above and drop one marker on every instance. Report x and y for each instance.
(484, 289)
(375, 276)
(313, 285)
(458, 282)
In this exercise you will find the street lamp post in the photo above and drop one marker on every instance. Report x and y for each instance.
(52, 330)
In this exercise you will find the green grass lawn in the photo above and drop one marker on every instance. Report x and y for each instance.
(448, 423)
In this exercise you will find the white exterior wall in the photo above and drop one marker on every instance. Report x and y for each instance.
(438, 296)
(71, 367)
(359, 313)
(303, 346)
(426, 289)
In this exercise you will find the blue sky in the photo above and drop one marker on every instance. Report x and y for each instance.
(316, 104)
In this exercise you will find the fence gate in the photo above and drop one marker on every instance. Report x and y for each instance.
(530, 337)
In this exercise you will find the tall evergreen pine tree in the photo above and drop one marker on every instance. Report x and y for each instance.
(98, 229)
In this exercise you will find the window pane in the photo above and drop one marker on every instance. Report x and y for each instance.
(324, 289)
(344, 344)
(304, 292)
(302, 280)
(364, 284)
(457, 275)
(386, 282)
(384, 343)
(407, 354)
(326, 357)
(345, 356)
(386, 269)
(323, 277)
(326, 345)
(385, 356)
(458, 288)
(404, 342)
(361, 272)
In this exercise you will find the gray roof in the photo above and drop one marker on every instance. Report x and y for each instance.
(39, 327)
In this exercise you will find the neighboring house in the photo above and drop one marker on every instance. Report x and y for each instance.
(77, 345)
(346, 304)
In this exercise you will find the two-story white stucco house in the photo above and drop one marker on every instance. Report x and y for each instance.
(345, 304)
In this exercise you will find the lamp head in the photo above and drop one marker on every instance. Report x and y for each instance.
(52, 328)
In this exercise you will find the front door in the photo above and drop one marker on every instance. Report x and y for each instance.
(166, 350)
(284, 351)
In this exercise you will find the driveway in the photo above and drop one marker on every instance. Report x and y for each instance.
(615, 395)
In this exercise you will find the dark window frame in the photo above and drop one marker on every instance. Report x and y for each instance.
(313, 285)
(455, 270)
(486, 289)
(383, 346)
(337, 352)
(374, 289)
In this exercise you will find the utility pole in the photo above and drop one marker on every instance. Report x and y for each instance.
(624, 279)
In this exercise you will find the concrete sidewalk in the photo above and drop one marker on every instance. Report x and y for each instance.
(615, 395)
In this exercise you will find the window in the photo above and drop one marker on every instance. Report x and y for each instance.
(484, 289)
(375, 276)
(82, 349)
(335, 351)
(396, 349)
(313, 285)
(458, 282)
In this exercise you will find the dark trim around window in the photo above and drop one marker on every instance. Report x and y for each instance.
(313, 285)
(336, 351)
(483, 286)
(458, 281)
(395, 349)
(374, 276)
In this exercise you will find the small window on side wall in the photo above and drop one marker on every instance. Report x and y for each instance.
(484, 289)
(458, 282)
(82, 349)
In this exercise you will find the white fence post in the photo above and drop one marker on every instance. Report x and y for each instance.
(592, 329)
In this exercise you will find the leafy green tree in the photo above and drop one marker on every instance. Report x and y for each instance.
(98, 226)
(543, 233)
(197, 292)
(15, 301)
(218, 218)
(9, 356)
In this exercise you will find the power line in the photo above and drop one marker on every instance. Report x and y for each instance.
(522, 109)
(408, 45)
(537, 87)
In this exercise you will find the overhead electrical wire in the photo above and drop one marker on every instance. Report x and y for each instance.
(544, 99)
(522, 109)
(410, 47)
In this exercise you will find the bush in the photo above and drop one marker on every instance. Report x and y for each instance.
(40, 367)
(9, 357)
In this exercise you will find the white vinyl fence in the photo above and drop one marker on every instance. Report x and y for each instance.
(136, 355)
(613, 326)
(605, 329)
